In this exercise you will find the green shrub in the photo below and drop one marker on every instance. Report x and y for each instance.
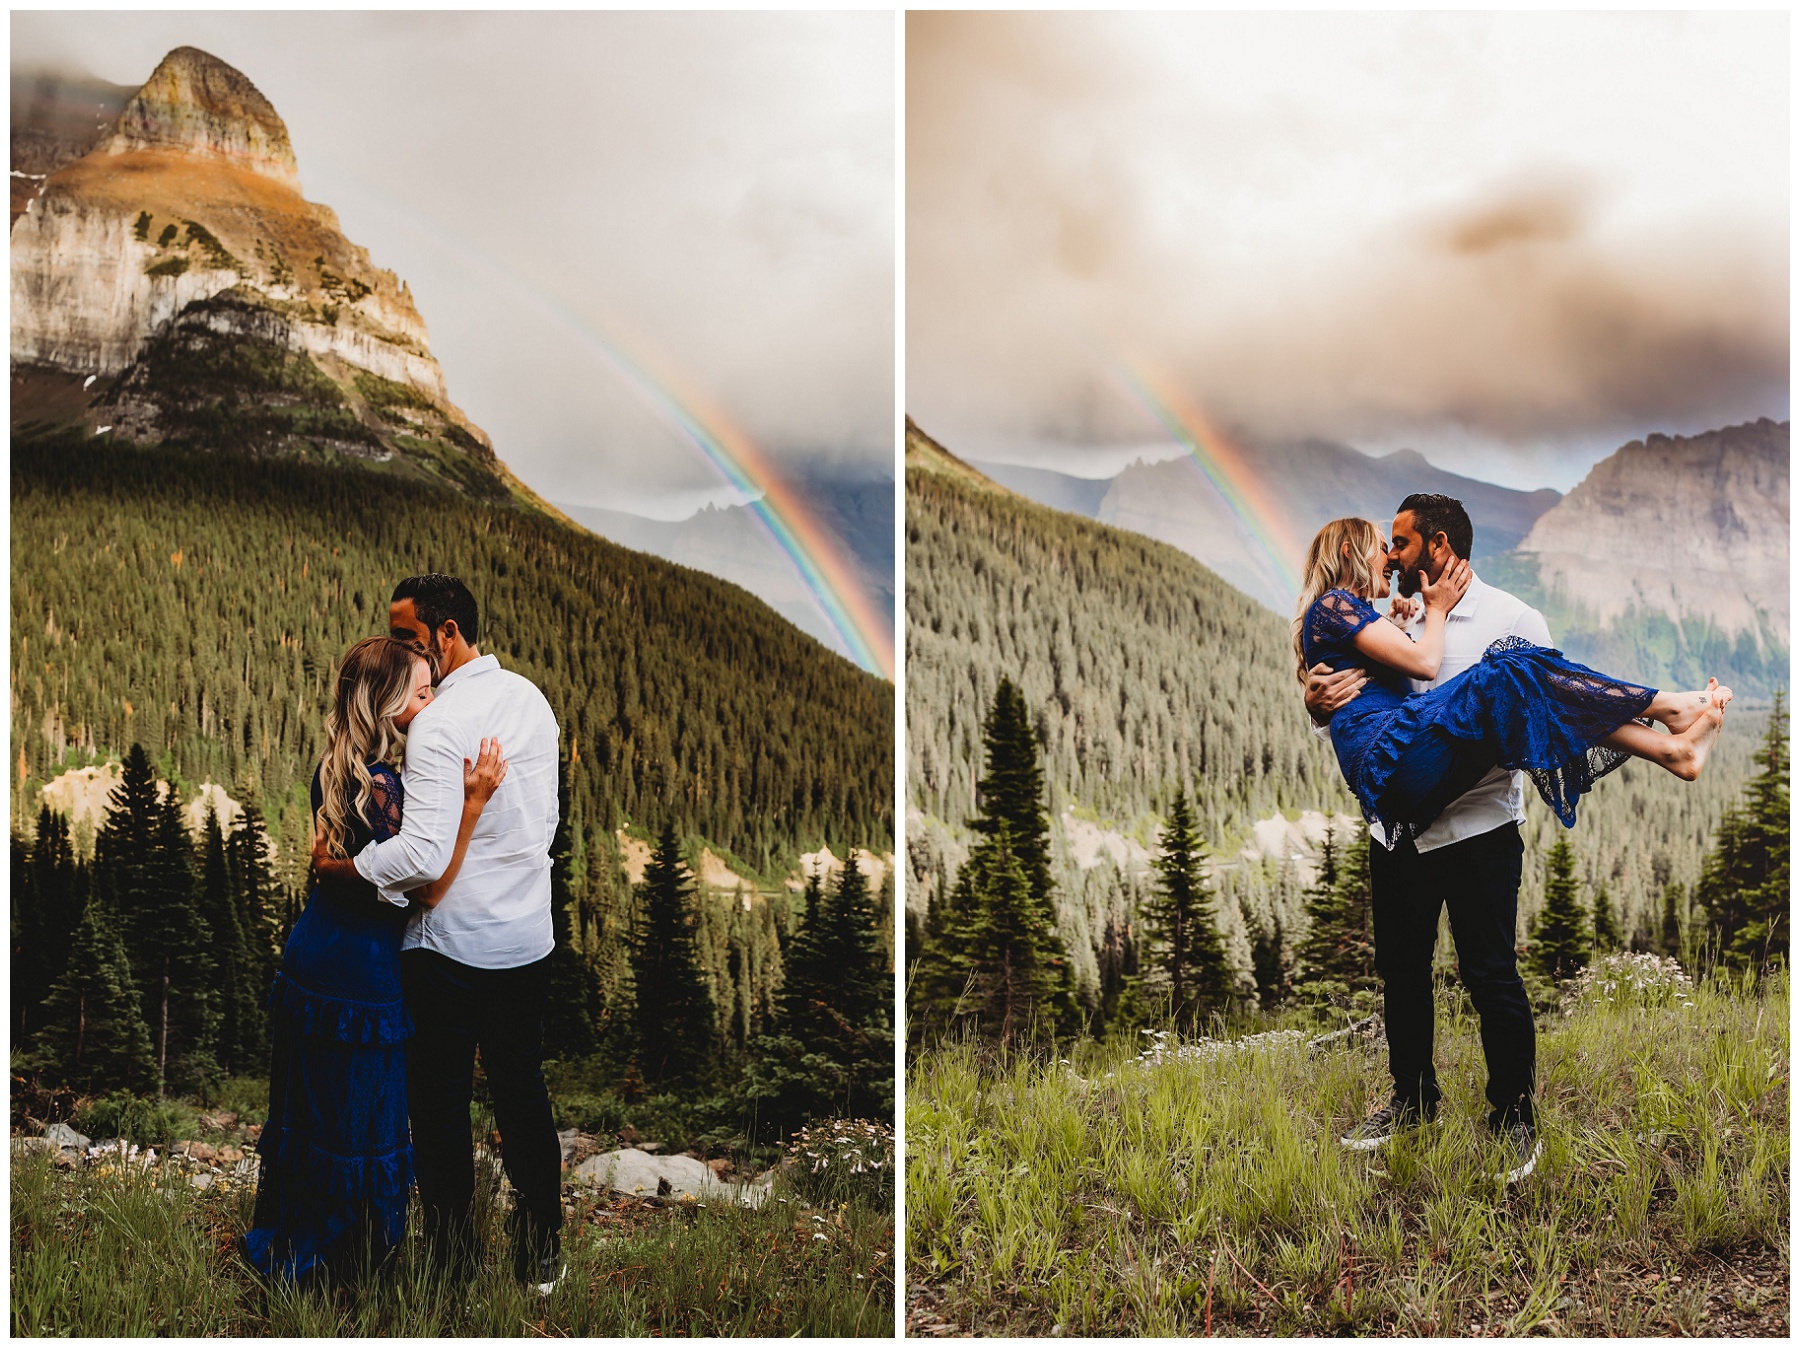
(147, 1122)
(169, 266)
(247, 1097)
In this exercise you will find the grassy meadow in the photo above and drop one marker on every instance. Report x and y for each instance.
(1110, 1195)
(134, 1250)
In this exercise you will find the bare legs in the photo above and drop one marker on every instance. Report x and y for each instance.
(1685, 752)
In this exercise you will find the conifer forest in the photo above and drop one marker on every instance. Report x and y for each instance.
(181, 614)
(1163, 710)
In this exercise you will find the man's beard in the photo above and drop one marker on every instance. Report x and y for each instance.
(1406, 580)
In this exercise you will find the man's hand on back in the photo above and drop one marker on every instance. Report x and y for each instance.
(1327, 692)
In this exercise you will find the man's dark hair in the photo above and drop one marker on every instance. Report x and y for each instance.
(440, 599)
(1434, 515)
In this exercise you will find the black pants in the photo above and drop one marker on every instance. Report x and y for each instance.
(1479, 879)
(455, 1008)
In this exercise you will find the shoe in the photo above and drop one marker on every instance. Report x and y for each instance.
(1522, 1146)
(538, 1262)
(1390, 1119)
(545, 1274)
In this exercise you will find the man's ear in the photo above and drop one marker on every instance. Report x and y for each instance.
(448, 633)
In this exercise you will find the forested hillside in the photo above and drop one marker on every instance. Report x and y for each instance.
(1144, 673)
(197, 604)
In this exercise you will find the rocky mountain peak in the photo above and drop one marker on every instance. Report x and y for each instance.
(195, 102)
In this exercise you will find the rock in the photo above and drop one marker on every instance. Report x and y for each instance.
(720, 1168)
(1685, 526)
(635, 1171)
(65, 1136)
(218, 1123)
(650, 1146)
(202, 1151)
(32, 1146)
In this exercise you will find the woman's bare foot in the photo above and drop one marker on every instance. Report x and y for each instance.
(1678, 711)
(1692, 748)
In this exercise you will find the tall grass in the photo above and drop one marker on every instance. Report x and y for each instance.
(132, 1251)
(1108, 1196)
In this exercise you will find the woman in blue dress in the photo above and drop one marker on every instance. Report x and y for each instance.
(336, 1156)
(1407, 755)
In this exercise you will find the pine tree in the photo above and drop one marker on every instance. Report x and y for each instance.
(675, 1014)
(93, 1035)
(259, 907)
(1335, 966)
(239, 1000)
(1190, 957)
(1606, 923)
(568, 1019)
(1270, 963)
(858, 988)
(993, 959)
(146, 869)
(1011, 794)
(1674, 907)
(1561, 938)
(999, 967)
(49, 892)
(1743, 886)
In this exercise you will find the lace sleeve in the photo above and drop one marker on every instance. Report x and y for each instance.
(1335, 618)
(386, 801)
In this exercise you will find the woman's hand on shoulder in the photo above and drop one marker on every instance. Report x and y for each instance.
(1401, 610)
(1449, 589)
(483, 777)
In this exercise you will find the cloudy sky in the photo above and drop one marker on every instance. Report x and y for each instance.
(1512, 242)
(712, 192)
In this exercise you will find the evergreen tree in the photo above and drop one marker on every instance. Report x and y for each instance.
(1190, 957)
(1011, 794)
(1606, 922)
(999, 968)
(239, 999)
(1560, 938)
(858, 998)
(93, 1036)
(1674, 909)
(1743, 887)
(1336, 961)
(49, 892)
(675, 1015)
(146, 870)
(830, 1050)
(1271, 965)
(260, 902)
(993, 958)
(568, 1019)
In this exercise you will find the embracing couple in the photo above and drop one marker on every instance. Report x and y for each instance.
(426, 936)
(1436, 710)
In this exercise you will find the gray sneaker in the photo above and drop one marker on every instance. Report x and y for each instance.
(1390, 1119)
(1521, 1146)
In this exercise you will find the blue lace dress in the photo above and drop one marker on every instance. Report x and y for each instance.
(1407, 755)
(336, 1153)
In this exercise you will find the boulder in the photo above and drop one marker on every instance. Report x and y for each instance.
(65, 1136)
(634, 1171)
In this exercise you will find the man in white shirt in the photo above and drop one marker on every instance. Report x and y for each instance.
(476, 966)
(1470, 859)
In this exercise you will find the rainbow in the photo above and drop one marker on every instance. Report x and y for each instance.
(814, 554)
(864, 633)
(1225, 465)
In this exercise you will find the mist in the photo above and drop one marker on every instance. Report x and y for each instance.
(1510, 242)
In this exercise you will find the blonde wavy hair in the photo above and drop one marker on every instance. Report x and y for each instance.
(1337, 560)
(373, 682)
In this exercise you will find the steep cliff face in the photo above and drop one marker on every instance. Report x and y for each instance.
(1684, 526)
(177, 265)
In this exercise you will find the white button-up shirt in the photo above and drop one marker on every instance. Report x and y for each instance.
(1481, 617)
(496, 914)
